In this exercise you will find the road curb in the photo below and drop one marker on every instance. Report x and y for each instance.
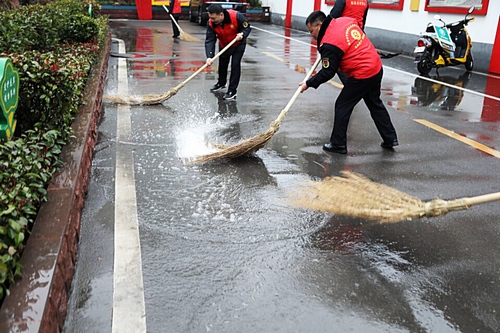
(38, 301)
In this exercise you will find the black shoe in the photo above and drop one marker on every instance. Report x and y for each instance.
(218, 87)
(231, 96)
(334, 148)
(389, 145)
(175, 36)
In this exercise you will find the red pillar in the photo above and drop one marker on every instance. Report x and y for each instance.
(317, 5)
(288, 20)
(491, 107)
(495, 55)
(144, 9)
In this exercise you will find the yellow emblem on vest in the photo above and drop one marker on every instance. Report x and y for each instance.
(355, 34)
(326, 63)
(245, 24)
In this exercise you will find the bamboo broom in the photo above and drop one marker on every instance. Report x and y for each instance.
(256, 142)
(184, 35)
(152, 99)
(357, 196)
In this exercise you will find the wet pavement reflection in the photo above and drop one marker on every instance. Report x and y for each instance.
(221, 249)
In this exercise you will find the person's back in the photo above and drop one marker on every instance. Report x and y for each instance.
(360, 58)
(356, 9)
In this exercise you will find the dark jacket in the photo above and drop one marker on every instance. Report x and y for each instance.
(211, 38)
(327, 51)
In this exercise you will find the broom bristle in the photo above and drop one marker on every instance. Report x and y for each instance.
(356, 196)
(246, 147)
(187, 37)
(148, 99)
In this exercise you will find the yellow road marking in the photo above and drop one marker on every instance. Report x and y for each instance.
(275, 57)
(458, 137)
(333, 83)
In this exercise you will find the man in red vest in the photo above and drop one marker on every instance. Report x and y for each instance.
(344, 46)
(357, 9)
(175, 10)
(226, 25)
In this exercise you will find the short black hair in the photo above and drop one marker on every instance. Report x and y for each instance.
(215, 9)
(316, 17)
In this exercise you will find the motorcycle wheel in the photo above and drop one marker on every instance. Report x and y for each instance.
(424, 67)
(192, 18)
(469, 63)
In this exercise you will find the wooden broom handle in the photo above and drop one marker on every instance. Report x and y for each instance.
(206, 65)
(297, 93)
(482, 199)
(172, 18)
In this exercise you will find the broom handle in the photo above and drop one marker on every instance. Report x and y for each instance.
(297, 93)
(206, 65)
(482, 199)
(172, 18)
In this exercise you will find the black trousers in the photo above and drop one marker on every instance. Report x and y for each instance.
(174, 26)
(342, 76)
(355, 90)
(235, 53)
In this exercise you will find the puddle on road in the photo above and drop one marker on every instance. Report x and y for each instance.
(222, 253)
(200, 126)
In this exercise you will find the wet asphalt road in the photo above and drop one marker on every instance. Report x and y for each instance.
(221, 250)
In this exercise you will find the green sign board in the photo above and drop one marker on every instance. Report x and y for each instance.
(9, 97)
(444, 38)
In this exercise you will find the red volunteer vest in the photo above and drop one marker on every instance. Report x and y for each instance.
(360, 58)
(355, 9)
(229, 32)
(177, 7)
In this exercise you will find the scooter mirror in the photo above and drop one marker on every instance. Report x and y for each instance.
(471, 9)
(437, 17)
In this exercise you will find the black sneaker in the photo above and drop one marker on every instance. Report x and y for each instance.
(231, 96)
(218, 87)
(330, 147)
(389, 145)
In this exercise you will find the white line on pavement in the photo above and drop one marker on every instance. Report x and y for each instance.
(129, 313)
(443, 83)
(458, 68)
(290, 38)
(394, 69)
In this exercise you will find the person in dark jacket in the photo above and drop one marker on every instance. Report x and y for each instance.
(224, 26)
(357, 9)
(343, 45)
(175, 10)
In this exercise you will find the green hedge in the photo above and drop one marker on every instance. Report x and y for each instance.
(26, 166)
(51, 84)
(45, 45)
(43, 28)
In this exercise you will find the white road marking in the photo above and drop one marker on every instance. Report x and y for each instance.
(444, 84)
(129, 312)
(290, 38)
(459, 68)
(296, 67)
(394, 69)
